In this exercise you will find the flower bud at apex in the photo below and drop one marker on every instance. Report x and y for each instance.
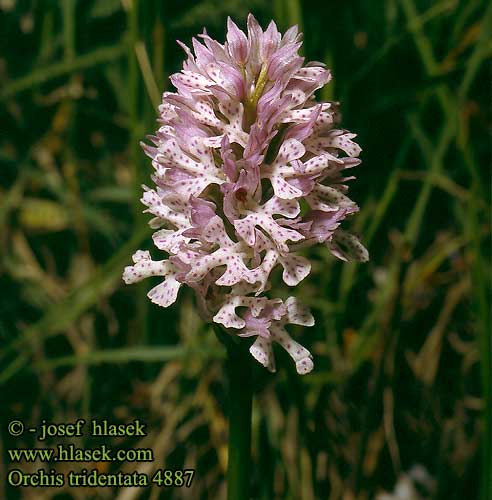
(242, 142)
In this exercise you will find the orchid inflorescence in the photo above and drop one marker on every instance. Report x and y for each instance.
(249, 170)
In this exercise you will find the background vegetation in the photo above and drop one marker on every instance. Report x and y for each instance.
(400, 399)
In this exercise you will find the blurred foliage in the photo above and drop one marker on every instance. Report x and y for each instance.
(399, 404)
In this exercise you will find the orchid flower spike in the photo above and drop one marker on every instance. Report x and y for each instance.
(242, 143)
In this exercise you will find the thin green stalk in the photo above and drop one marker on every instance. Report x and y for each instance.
(423, 44)
(481, 289)
(240, 401)
(133, 99)
(389, 338)
(147, 74)
(136, 135)
(425, 50)
(294, 13)
(158, 42)
(69, 29)
(328, 91)
(287, 13)
(135, 108)
(252, 102)
(240, 405)
(65, 312)
(52, 71)
(416, 23)
(478, 55)
(473, 227)
(145, 354)
(278, 9)
(349, 272)
(435, 158)
(485, 342)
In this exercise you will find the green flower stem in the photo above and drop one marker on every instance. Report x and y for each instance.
(252, 101)
(240, 404)
(240, 401)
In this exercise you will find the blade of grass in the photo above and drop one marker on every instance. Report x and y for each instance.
(287, 13)
(412, 228)
(478, 54)
(423, 44)
(68, 13)
(463, 18)
(61, 315)
(136, 113)
(424, 48)
(158, 42)
(328, 91)
(55, 70)
(349, 273)
(417, 23)
(13, 197)
(480, 284)
(49, 42)
(278, 10)
(148, 75)
(435, 159)
(440, 181)
(145, 354)
(481, 300)
(294, 13)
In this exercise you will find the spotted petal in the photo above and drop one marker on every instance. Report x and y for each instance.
(347, 246)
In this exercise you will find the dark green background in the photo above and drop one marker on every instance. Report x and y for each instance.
(401, 345)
